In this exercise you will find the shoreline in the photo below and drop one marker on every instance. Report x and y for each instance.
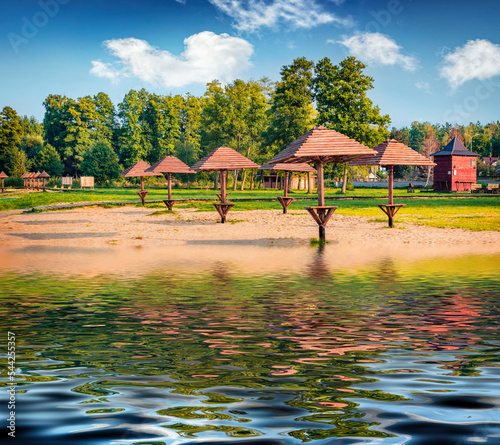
(96, 240)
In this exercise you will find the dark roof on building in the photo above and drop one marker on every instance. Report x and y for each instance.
(455, 148)
(306, 168)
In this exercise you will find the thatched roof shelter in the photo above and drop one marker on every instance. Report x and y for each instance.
(169, 165)
(322, 146)
(139, 169)
(3, 176)
(390, 153)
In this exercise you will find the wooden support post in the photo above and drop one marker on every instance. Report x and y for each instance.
(169, 187)
(391, 185)
(223, 186)
(321, 187)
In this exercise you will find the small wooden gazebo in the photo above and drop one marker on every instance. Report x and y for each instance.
(223, 159)
(44, 175)
(139, 170)
(391, 153)
(3, 176)
(286, 200)
(169, 165)
(321, 146)
(36, 178)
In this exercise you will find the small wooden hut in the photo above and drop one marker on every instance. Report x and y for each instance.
(44, 175)
(456, 168)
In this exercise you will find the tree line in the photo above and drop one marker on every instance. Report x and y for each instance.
(91, 136)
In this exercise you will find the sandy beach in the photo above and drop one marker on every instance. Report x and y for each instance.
(102, 239)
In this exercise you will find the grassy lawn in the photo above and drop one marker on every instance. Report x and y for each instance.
(466, 213)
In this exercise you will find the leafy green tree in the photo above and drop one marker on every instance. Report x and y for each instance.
(49, 160)
(10, 139)
(101, 162)
(214, 118)
(342, 104)
(132, 145)
(291, 113)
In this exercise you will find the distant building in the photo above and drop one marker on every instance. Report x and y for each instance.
(456, 168)
(492, 161)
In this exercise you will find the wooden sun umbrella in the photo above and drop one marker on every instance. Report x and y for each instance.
(390, 153)
(223, 159)
(285, 201)
(321, 146)
(24, 177)
(3, 175)
(169, 165)
(139, 170)
(44, 175)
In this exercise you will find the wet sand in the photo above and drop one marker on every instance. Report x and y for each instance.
(133, 240)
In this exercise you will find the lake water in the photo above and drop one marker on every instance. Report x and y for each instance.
(268, 345)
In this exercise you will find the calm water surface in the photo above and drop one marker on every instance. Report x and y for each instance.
(389, 353)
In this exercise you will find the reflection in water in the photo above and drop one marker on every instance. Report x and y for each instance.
(384, 355)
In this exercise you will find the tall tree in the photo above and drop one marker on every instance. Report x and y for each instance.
(291, 113)
(342, 104)
(10, 139)
(101, 162)
(49, 160)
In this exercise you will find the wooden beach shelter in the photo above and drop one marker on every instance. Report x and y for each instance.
(36, 178)
(223, 159)
(3, 176)
(139, 170)
(44, 175)
(285, 201)
(321, 146)
(391, 153)
(169, 165)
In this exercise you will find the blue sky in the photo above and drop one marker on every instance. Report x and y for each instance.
(436, 61)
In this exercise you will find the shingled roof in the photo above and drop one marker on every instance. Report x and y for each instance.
(392, 152)
(169, 164)
(322, 145)
(224, 158)
(3, 175)
(303, 167)
(138, 169)
(455, 148)
(44, 174)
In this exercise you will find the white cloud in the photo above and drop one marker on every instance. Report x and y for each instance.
(207, 56)
(379, 49)
(424, 86)
(477, 59)
(251, 15)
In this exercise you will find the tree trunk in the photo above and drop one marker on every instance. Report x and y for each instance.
(235, 180)
(215, 180)
(309, 189)
(344, 183)
(252, 178)
(243, 180)
(428, 175)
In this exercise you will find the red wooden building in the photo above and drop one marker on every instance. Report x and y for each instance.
(456, 168)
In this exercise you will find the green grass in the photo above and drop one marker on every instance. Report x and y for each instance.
(469, 213)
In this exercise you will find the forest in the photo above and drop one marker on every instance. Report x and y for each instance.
(91, 136)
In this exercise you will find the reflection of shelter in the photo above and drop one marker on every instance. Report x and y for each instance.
(321, 146)
(456, 167)
(390, 153)
(169, 165)
(139, 170)
(285, 201)
(223, 159)
(3, 176)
